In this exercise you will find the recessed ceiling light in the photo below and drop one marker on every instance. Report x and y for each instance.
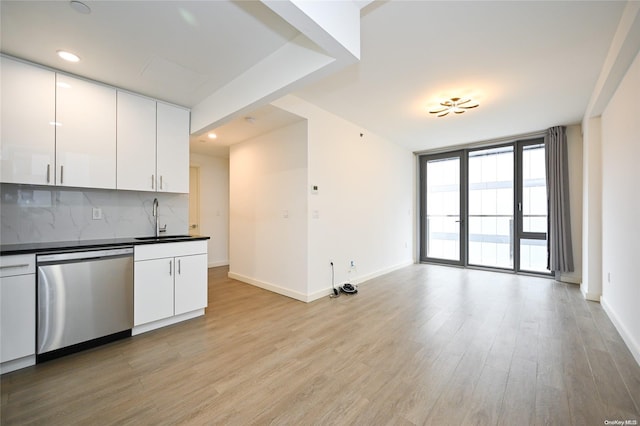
(63, 85)
(68, 56)
(80, 7)
(212, 136)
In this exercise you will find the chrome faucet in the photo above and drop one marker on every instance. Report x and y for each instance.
(155, 214)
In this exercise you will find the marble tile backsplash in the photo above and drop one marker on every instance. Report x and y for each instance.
(43, 214)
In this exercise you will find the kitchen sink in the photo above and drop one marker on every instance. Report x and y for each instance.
(163, 237)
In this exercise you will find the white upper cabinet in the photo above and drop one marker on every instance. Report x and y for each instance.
(28, 123)
(172, 149)
(136, 140)
(66, 131)
(85, 134)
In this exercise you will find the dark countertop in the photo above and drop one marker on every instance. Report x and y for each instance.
(62, 246)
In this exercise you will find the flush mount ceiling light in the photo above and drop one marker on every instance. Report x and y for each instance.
(212, 135)
(68, 56)
(455, 105)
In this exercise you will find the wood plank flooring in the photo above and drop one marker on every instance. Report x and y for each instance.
(423, 345)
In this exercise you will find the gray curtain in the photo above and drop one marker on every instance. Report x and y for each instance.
(560, 255)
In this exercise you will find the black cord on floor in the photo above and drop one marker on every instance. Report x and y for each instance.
(336, 293)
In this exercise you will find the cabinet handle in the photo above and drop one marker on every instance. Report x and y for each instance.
(48, 173)
(170, 267)
(22, 265)
(179, 267)
(160, 181)
(153, 178)
(61, 174)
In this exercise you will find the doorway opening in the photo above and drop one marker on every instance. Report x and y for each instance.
(194, 200)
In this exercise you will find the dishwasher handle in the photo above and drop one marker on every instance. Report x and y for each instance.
(85, 255)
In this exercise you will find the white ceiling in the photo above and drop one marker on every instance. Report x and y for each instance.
(177, 51)
(261, 121)
(531, 65)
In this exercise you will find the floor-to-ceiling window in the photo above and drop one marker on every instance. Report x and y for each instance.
(532, 206)
(441, 216)
(485, 207)
(490, 190)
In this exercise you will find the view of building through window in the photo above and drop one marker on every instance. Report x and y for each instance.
(533, 252)
(491, 227)
(471, 199)
(443, 209)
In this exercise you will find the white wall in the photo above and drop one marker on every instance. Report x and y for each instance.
(621, 207)
(591, 285)
(363, 210)
(268, 211)
(214, 205)
(574, 152)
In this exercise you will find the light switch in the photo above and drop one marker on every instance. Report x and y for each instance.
(285, 214)
(97, 213)
(315, 214)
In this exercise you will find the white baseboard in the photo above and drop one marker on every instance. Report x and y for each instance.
(318, 294)
(360, 280)
(17, 364)
(269, 286)
(632, 344)
(218, 263)
(594, 297)
(143, 328)
(571, 279)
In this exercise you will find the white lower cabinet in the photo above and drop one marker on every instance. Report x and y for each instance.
(170, 279)
(190, 288)
(153, 290)
(17, 311)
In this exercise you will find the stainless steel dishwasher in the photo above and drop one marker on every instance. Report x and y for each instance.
(84, 299)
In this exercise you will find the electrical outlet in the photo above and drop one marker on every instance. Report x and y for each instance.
(97, 213)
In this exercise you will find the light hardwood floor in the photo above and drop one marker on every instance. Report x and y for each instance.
(423, 345)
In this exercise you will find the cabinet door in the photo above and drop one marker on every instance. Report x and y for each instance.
(172, 149)
(28, 123)
(136, 142)
(190, 283)
(153, 290)
(17, 317)
(85, 134)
